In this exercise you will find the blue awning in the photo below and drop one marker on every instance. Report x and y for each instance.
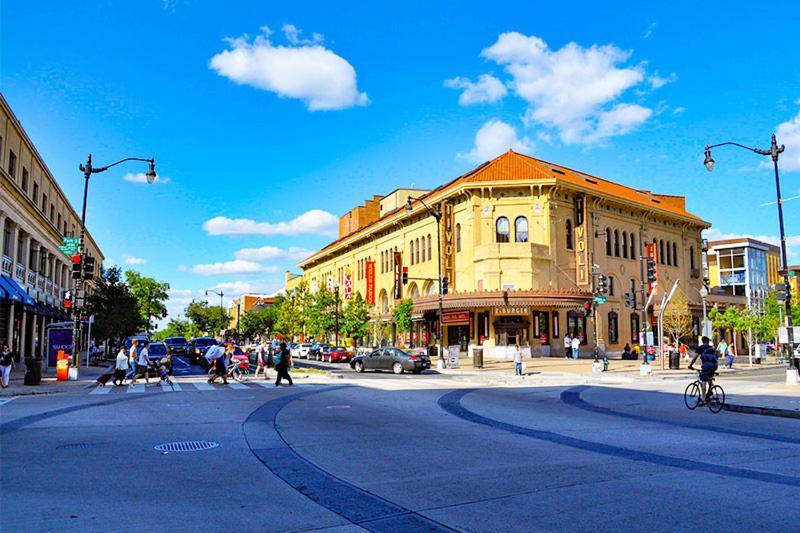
(17, 293)
(4, 294)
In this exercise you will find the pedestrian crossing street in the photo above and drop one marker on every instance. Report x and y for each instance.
(202, 385)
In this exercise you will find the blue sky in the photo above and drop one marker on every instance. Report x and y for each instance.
(272, 133)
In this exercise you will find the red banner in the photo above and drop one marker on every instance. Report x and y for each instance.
(457, 317)
(370, 282)
(653, 255)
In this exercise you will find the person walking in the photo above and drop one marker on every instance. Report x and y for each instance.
(576, 346)
(143, 365)
(282, 365)
(261, 361)
(517, 360)
(6, 364)
(121, 368)
(217, 356)
(132, 356)
(730, 355)
(567, 345)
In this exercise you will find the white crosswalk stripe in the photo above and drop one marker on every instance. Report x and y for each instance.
(137, 388)
(101, 390)
(237, 386)
(203, 385)
(174, 387)
(193, 386)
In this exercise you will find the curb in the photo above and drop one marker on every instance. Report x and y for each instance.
(763, 411)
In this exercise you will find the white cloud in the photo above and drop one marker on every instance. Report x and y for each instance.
(487, 89)
(272, 253)
(140, 177)
(679, 110)
(315, 221)
(649, 31)
(574, 90)
(656, 81)
(494, 138)
(303, 69)
(231, 267)
(788, 133)
(131, 260)
(792, 241)
(182, 268)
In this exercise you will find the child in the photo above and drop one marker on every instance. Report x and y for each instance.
(163, 369)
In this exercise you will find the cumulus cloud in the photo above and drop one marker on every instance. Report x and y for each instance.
(140, 177)
(792, 241)
(236, 266)
(494, 138)
(487, 89)
(272, 253)
(302, 69)
(131, 260)
(679, 110)
(656, 81)
(573, 90)
(788, 133)
(315, 222)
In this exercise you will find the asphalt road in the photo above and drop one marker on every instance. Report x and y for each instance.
(392, 453)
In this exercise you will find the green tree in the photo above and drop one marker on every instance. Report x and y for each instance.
(321, 313)
(257, 322)
(151, 295)
(677, 318)
(402, 315)
(176, 328)
(115, 308)
(356, 318)
(207, 319)
(292, 312)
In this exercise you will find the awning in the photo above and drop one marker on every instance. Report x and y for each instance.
(4, 297)
(16, 293)
(564, 299)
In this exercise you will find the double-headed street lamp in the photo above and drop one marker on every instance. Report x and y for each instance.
(774, 152)
(221, 307)
(88, 169)
(437, 214)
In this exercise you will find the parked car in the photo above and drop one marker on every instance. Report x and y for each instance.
(177, 345)
(391, 359)
(198, 347)
(316, 350)
(303, 349)
(156, 352)
(338, 354)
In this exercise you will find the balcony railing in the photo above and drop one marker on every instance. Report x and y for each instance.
(49, 285)
(20, 272)
(40, 282)
(31, 278)
(7, 264)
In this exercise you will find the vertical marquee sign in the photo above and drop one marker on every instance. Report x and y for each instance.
(348, 282)
(581, 251)
(370, 266)
(653, 256)
(448, 245)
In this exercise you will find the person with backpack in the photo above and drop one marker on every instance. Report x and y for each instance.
(283, 361)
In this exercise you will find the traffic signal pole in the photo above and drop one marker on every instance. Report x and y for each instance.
(643, 326)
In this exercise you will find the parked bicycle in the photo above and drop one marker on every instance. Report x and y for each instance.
(237, 370)
(715, 398)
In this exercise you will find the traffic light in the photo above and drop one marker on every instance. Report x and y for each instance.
(67, 299)
(781, 290)
(77, 266)
(630, 300)
(602, 284)
(88, 267)
(445, 285)
(652, 275)
(587, 308)
(405, 275)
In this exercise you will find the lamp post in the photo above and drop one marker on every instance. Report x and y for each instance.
(336, 313)
(774, 152)
(437, 214)
(221, 307)
(88, 169)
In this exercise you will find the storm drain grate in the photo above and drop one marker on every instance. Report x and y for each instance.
(75, 446)
(186, 446)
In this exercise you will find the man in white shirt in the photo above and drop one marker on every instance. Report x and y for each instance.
(567, 345)
(576, 346)
(143, 365)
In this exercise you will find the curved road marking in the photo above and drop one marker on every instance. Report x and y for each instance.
(352, 503)
(451, 403)
(573, 397)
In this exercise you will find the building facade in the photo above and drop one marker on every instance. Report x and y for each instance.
(34, 217)
(743, 267)
(244, 303)
(521, 242)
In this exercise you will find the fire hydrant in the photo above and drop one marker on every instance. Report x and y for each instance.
(605, 363)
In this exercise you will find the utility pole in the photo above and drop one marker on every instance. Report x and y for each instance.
(644, 325)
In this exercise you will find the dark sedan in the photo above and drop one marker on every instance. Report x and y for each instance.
(177, 345)
(391, 359)
(198, 347)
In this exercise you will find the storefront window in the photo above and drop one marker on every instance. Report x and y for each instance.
(576, 325)
(556, 332)
(613, 328)
(511, 330)
(541, 320)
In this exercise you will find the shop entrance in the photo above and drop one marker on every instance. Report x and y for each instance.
(510, 331)
(458, 335)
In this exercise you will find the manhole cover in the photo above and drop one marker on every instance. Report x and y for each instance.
(186, 446)
(75, 446)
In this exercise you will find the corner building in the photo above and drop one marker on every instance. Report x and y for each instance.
(519, 237)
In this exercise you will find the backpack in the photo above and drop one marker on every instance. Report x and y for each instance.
(278, 358)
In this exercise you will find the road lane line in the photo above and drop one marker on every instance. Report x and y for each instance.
(101, 390)
(265, 384)
(6, 400)
(166, 387)
(136, 388)
(237, 385)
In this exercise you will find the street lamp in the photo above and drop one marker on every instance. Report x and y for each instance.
(437, 214)
(774, 152)
(88, 169)
(221, 307)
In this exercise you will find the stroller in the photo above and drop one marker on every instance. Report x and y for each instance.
(163, 374)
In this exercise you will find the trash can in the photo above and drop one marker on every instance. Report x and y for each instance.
(477, 356)
(33, 371)
(674, 360)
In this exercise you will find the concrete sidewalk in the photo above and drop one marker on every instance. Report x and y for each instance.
(50, 385)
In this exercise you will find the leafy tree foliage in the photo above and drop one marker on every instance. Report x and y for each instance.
(258, 322)
(208, 320)
(177, 328)
(321, 313)
(677, 318)
(356, 318)
(115, 307)
(402, 315)
(150, 294)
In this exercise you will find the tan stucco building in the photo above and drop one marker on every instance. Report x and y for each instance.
(519, 237)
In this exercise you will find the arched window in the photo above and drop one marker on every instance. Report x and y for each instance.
(521, 229)
(633, 247)
(613, 328)
(661, 251)
(616, 243)
(416, 247)
(611, 285)
(669, 254)
(691, 257)
(570, 245)
(608, 242)
(411, 252)
(625, 244)
(458, 238)
(674, 254)
(502, 230)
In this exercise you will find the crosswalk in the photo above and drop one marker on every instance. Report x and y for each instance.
(185, 386)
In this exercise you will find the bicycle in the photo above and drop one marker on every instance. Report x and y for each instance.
(715, 399)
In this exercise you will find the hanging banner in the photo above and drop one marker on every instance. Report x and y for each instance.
(348, 283)
(370, 265)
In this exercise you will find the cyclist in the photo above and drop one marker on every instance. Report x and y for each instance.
(708, 358)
